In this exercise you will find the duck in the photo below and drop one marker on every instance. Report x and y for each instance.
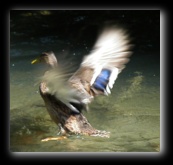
(66, 96)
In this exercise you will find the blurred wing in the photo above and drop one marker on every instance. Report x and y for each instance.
(96, 74)
(99, 70)
(57, 85)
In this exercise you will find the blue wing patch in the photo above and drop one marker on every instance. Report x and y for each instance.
(102, 80)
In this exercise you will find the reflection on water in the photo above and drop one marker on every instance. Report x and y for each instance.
(131, 113)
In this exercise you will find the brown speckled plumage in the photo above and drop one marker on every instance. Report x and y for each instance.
(95, 76)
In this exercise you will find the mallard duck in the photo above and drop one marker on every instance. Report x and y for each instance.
(66, 98)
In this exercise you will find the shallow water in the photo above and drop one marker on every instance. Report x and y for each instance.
(131, 113)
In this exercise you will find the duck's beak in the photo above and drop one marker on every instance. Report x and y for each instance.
(37, 60)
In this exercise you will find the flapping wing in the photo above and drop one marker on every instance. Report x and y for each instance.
(99, 70)
(55, 84)
(96, 74)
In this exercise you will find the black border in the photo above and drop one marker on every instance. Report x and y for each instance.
(90, 156)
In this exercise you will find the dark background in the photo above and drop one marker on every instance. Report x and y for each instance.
(80, 27)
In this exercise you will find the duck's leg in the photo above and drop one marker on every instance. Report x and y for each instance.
(61, 135)
(62, 130)
(54, 138)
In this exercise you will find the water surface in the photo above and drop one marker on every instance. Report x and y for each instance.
(131, 113)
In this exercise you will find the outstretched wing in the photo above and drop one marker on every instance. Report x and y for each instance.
(96, 74)
(99, 70)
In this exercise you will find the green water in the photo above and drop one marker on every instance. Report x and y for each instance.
(131, 113)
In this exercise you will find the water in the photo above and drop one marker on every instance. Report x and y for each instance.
(131, 113)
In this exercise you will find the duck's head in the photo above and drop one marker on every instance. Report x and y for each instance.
(48, 58)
